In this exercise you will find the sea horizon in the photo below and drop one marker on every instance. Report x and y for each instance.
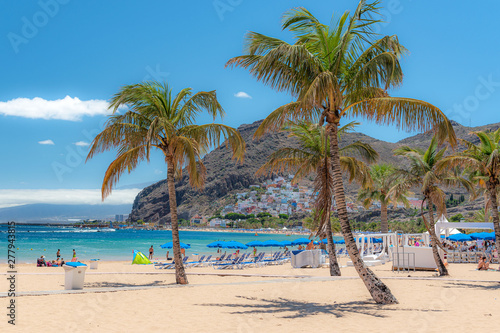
(120, 244)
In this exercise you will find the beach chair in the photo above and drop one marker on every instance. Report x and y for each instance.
(207, 261)
(172, 265)
(228, 265)
(195, 263)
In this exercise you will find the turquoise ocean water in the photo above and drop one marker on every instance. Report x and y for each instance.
(34, 241)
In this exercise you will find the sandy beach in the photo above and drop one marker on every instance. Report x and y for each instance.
(119, 297)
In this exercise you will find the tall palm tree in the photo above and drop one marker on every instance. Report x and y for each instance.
(313, 156)
(384, 178)
(333, 72)
(424, 171)
(484, 161)
(479, 179)
(157, 119)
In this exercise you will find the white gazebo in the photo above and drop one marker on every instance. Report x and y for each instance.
(449, 227)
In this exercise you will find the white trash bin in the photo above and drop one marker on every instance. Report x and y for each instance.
(94, 263)
(74, 275)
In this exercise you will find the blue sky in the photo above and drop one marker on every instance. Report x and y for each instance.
(86, 50)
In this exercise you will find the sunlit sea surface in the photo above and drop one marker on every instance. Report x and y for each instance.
(34, 241)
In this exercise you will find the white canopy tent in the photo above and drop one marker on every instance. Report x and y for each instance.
(447, 227)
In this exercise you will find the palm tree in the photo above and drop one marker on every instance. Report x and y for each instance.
(424, 171)
(157, 119)
(384, 178)
(479, 179)
(334, 72)
(312, 156)
(484, 161)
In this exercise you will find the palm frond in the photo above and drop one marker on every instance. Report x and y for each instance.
(405, 113)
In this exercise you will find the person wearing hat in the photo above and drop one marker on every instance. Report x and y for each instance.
(41, 262)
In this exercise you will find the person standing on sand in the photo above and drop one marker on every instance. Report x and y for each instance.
(58, 254)
(183, 252)
(151, 252)
(74, 253)
(310, 246)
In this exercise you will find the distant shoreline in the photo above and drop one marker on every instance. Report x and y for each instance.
(247, 231)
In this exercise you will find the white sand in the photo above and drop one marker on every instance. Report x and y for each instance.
(212, 303)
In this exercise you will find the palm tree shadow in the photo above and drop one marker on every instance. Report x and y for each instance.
(291, 309)
(493, 285)
(124, 285)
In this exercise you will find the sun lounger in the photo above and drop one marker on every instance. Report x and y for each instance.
(171, 265)
(230, 265)
(195, 263)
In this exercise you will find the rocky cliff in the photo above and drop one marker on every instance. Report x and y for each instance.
(226, 177)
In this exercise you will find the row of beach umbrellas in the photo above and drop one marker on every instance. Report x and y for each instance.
(473, 236)
(302, 241)
(267, 243)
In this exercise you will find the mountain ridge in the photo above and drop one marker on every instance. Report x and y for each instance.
(225, 177)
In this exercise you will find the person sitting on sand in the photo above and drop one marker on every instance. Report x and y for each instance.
(483, 265)
(300, 247)
(41, 262)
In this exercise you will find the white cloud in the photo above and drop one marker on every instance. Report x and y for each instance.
(158, 172)
(242, 94)
(17, 197)
(82, 144)
(68, 108)
(46, 142)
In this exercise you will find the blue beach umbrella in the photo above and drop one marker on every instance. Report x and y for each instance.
(460, 237)
(285, 243)
(271, 243)
(483, 235)
(335, 241)
(255, 244)
(301, 241)
(234, 245)
(169, 245)
(216, 244)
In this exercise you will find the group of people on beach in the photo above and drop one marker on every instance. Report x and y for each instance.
(41, 262)
(152, 252)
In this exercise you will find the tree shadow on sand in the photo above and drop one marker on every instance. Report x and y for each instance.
(493, 285)
(291, 309)
(122, 285)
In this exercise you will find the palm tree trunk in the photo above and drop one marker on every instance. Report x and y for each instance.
(437, 258)
(180, 274)
(486, 206)
(492, 187)
(332, 256)
(384, 224)
(378, 290)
